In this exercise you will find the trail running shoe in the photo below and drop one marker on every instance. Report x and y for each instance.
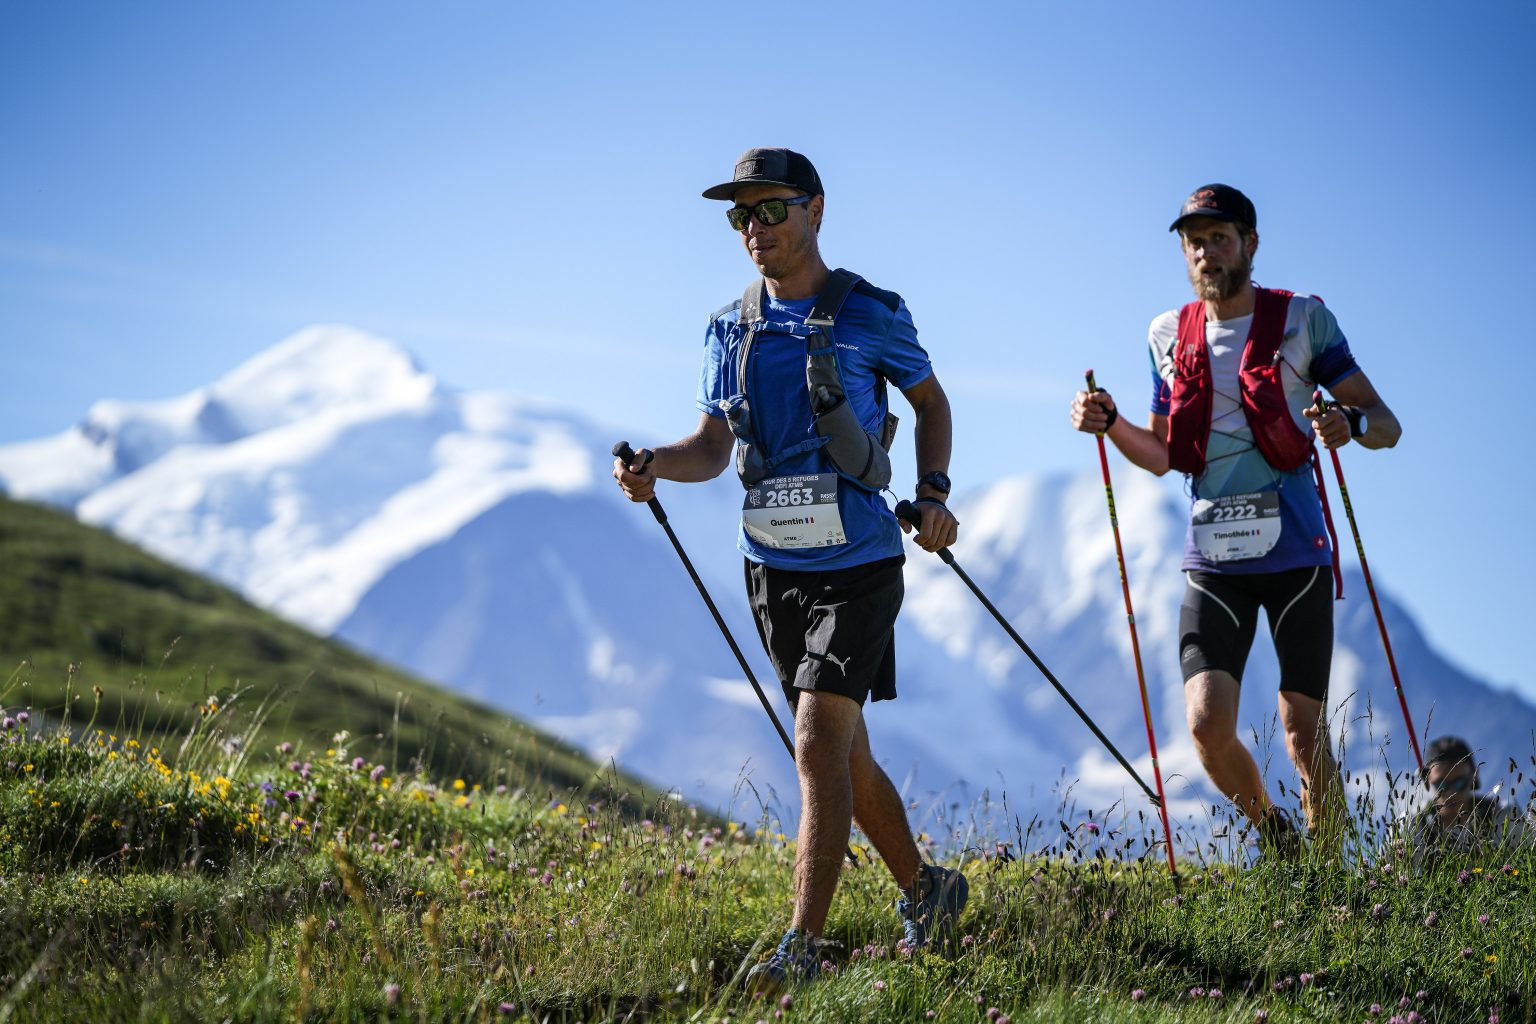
(929, 910)
(1279, 837)
(795, 961)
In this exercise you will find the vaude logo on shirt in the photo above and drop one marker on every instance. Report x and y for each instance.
(844, 344)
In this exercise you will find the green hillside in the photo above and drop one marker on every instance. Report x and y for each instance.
(195, 883)
(94, 631)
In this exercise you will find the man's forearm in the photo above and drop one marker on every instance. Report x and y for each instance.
(700, 456)
(933, 434)
(1381, 427)
(1142, 446)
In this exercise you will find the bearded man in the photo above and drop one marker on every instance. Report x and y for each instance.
(1233, 377)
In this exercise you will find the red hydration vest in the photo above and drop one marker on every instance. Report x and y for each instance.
(1284, 445)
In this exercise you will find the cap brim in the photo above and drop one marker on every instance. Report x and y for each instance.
(1214, 214)
(729, 189)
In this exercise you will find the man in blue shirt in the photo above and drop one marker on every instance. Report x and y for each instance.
(823, 551)
(1233, 377)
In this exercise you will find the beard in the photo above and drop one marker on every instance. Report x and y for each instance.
(1224, 283)
(791, 252)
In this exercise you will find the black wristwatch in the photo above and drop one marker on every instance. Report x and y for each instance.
(938, 480)
(1357, 421)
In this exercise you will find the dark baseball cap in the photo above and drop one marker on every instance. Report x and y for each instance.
(766, 166)
(1221, 202)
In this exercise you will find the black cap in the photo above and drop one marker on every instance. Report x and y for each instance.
(1447, 750)
(1221, 202)
(770, 167)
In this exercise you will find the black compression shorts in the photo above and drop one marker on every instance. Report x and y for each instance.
(1221, 612)
(830, 632)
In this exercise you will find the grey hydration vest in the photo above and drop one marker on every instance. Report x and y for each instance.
(857, 455)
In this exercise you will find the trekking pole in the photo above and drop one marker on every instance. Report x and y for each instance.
(1130, 618)
(623, 451)
(906, 510)
(1365, 569)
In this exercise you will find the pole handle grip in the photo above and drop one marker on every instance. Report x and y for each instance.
(1088, 376)
(622, 450)
(906, 510)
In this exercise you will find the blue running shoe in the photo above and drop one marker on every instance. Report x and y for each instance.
(929, 910)
(795, 961)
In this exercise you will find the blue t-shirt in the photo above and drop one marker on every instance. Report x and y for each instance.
(874, 335)
(1313, 352)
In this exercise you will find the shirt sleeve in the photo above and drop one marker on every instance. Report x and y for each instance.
(903, 360)
(1162, 337)
(1331, 359)
(716, 383)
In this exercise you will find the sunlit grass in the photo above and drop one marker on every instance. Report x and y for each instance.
(208, 881)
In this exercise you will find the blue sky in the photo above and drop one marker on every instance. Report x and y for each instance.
(512, 191)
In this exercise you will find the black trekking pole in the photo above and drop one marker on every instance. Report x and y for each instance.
(906, 510)
(622, 450)
(1365, 570)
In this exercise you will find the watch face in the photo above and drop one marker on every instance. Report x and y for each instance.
(937, 479)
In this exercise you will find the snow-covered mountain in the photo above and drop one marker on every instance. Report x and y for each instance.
(477, 539)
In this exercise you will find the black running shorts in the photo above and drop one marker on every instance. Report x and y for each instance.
(830, 632)
(1221, 612)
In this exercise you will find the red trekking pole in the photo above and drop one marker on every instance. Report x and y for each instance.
(1365, 569)
(1130, 617)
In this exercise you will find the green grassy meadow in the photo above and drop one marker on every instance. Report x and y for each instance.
(313, 884)
(209, 815)
(95, 630)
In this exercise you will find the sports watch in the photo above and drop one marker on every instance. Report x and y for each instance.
(1357, 422)
(937, 479)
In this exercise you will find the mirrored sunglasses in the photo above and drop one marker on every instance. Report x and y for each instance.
(768, 212)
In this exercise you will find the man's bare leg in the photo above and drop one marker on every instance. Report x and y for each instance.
(1306, 740)
(825, 727)
(1211, 706)
(878, 811)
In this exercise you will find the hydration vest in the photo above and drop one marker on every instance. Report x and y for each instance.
(1284, 445)
(857, 455)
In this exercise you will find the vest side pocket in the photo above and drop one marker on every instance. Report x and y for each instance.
(1283, 445)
